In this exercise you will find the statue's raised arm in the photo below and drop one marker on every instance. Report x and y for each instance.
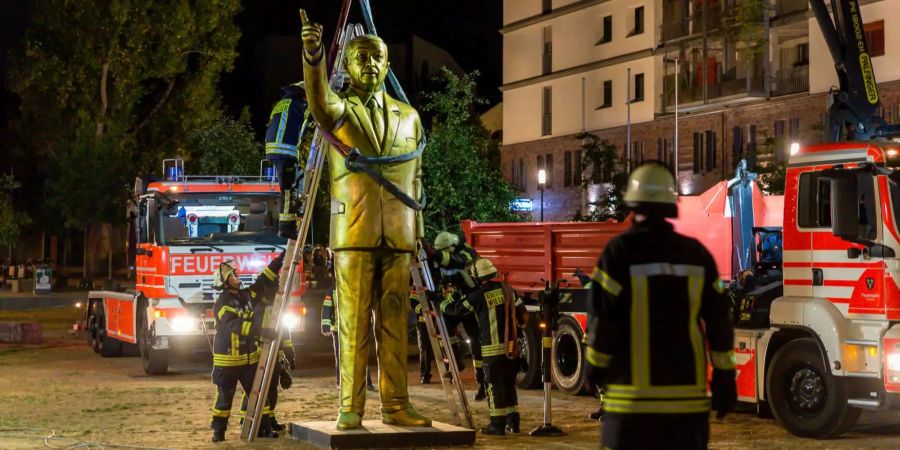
(326, 107)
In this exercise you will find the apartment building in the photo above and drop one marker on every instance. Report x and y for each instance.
(744, 91)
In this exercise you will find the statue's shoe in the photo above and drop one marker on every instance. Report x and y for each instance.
(348, 421)
(405, 417)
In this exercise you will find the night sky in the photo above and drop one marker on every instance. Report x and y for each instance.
(467, 29)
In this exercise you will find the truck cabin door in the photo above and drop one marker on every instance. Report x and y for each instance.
(848, 265)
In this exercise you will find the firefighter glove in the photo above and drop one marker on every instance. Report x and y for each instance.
(290, 357)
(724, 391)
(285, 379)
(596, 375)
(430, 251)
(269, 333)
(326, 330)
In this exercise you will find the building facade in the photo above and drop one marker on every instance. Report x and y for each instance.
(752, 75)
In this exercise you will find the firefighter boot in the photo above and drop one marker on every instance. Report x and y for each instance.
(278, 426)
(497, 427)
(265, 428)
(480, 395)
(512, 423)
(219, 424)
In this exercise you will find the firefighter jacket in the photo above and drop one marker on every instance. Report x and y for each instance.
(262, 313)
(497, 322)
(416, 305)
(236, 336)
(455, 266)
(652, 289)
(286, 132)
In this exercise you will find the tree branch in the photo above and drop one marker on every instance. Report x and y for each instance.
(104, 100)
(157, 106)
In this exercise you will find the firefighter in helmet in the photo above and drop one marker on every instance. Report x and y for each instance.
(652, 288)
(235, 350)
(455, 260)
(499, 327)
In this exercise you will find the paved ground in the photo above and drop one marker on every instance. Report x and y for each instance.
(64, 389)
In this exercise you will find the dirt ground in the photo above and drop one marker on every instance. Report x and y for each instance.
(62, 389)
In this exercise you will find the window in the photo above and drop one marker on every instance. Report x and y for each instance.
(606, 31)
(875, 37)
(638, 88)
(567, 169)
(513, 175)
(638, 21)
(548, 50)
(522, 178)
(547, 108)
(814, 209)
(698, 152)
(547, 6)
(779, 128)
(794, 127)
(751, 145)
(607, 95)
(548, 161)
(661, 150)
(637, 152)
(737, 145)
(711, 152)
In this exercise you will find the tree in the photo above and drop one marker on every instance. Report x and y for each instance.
(226, 146)
(605, 170)
(771, 170)
(11, 222)
(460, 180)
(107, 88)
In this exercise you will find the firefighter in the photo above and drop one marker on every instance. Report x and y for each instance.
(426, 354)
(330, 328)
(498, 325)
(235, 350)
(652, 288)
(455, 259)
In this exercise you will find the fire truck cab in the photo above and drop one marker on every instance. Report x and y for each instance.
(182, 229)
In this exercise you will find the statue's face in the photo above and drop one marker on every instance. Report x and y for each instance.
(367, 64)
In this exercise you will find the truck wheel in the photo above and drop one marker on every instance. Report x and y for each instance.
(92, 325)
(156, 362)
(106, 346)
(568, 357)
(530, 350)
(803, 395)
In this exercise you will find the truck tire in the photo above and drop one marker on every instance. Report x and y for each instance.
(155, 362)
(106, 346)
(530, 350)
(803, 395)
(92, 325)
(568, 357)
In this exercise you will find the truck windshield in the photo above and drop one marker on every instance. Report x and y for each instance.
(215, 216)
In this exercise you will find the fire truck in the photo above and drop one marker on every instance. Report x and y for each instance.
(182, 228)
(816, 292)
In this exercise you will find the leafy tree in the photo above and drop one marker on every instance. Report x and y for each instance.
(460, 180)
(772, 170)
(226, 146)
(605, 170)
(107, 88)
(11, 221)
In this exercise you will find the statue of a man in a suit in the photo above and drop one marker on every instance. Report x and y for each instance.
(373, 233)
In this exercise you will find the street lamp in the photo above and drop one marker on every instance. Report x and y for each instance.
(542, 181)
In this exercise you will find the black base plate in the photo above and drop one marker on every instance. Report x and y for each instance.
(375, 434)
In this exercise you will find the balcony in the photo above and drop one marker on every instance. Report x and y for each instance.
(791, 81)
(718, 86)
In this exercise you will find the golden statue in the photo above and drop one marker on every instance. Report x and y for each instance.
(373, 233)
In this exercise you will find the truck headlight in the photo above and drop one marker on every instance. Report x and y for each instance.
(183, 324)
(893, 362)
(290, 321)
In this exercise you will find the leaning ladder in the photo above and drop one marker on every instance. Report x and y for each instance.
(288, 276)
(439, 336)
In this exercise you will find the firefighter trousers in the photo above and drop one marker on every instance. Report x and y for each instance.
(426, 355)
(500, 373)
(226, 380)
(629, 431)
(470, 324)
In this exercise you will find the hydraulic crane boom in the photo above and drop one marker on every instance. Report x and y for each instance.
(854, 106)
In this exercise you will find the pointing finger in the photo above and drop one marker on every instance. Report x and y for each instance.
(303, 19)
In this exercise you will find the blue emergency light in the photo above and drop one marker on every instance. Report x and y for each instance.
(174, 173)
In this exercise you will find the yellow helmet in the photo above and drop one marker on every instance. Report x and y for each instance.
(220, 278)
(650, 183)
(445, 240)
(484, 269)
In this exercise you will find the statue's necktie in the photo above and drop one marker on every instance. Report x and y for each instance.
(377, 117)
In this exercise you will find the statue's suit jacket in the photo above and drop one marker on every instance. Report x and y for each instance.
(364, 215)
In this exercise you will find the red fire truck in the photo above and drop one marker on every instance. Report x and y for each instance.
(183, 228)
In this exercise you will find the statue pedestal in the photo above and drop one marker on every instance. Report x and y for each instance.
(375, 434)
